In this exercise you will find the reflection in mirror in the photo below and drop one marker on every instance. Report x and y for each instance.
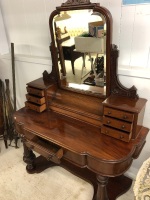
(80, 37)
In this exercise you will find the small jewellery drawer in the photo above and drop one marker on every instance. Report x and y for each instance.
(35, 107)
(29, 135)
(35, 91)
(122, 125)
(48, 150)
(124, 136)
(35, 99)
(119, 114)
(18, 128)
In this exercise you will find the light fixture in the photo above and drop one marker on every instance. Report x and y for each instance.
(65, 15)
(100, 15)
(61, 17)
(58, 18)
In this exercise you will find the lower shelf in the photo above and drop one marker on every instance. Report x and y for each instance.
(116, 185)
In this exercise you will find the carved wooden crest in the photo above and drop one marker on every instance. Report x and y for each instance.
(76, 2)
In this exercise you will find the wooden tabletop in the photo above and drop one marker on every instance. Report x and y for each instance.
(81, 138)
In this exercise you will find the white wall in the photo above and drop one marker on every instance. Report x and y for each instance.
(3, 38)
(26, 24)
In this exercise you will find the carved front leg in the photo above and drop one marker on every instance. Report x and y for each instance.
(102, 192)
(29, 158)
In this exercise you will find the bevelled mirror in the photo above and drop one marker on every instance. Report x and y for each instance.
(81, 41)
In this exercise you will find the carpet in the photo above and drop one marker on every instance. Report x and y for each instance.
(54, 183)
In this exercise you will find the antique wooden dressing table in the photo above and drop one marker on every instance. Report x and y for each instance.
(94, 132)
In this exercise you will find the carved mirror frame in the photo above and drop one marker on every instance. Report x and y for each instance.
(113, 85)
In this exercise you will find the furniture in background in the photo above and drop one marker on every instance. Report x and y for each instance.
(70, 53)
(2, 125)
(93, 133)
(142, 183)
(7, 130)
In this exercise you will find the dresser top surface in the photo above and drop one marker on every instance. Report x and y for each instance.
(77, 137)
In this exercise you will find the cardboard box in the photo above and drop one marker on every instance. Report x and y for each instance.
(96, 29)
(90, 44)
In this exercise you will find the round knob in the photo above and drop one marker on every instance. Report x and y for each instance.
(125, 117)
(109, 112)
(106, 132)
(121, 136)
(123, 126)
(108, 122)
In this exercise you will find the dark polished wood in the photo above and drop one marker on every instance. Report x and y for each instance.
(76, 2)
(83, 146)
(95, 134)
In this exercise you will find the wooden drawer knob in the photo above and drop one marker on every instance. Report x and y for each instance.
(109, 113)
(123, 126)
(108, 122)
(125, 117)
(121, 136)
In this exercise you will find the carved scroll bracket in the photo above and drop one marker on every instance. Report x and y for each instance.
(51, 77)
(116, 87)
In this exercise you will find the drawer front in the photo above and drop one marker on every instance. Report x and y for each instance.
(29, 135)
(116, 133)
(122, 125)
(35, 91)
(118, 114)
(35, 107)
(54, 155)
(79, 160)
(19, 128)
(34, 99)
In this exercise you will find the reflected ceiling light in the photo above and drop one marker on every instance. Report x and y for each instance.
(58, 18)
(64, 16)
(79, 86)
(100, 15)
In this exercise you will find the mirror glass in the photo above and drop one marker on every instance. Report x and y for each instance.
(80, 37)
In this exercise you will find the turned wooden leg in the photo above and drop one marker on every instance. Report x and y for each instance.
(29, 158)
(101, 191)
